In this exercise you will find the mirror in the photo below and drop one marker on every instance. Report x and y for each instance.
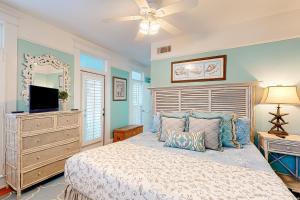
(45, 71)
(47, 76)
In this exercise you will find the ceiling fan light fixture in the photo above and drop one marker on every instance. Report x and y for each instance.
(149, 27)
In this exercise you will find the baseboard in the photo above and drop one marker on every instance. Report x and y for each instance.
(111, 140)
(2, 182)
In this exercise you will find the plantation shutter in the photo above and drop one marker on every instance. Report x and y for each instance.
(194, 99)
(230, 100)
(167, 100)
(93, 104)
(217, 98)
(137, 101)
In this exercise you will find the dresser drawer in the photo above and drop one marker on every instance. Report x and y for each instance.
(42, 173)
(52, 153)
(36, 124)
(281, 147)
(50, 137)
(67, 120)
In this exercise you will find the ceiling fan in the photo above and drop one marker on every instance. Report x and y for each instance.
(151, 19)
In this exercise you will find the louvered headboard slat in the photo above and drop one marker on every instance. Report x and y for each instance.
(238, 98)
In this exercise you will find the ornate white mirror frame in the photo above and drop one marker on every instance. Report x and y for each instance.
(43, 60)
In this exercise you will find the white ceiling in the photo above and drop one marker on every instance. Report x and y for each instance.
(84, 18)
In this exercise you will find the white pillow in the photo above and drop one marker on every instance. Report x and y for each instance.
(167, 123)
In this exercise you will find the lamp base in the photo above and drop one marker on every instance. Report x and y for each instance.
(278, 122)
(281, 134)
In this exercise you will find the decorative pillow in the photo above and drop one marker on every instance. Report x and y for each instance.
(227, 126)
(211, 128)
(175, 114)
(243, 130)
(155, 123)
(193, 141)
(170, 124)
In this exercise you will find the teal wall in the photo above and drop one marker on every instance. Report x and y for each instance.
(119, 109)
(26, 47)
(272, 63)
(276, 63)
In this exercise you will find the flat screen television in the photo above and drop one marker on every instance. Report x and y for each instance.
(42, 99)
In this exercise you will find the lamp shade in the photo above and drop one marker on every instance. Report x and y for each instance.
(281, 95)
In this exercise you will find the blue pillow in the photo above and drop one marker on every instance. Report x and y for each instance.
(155, 124)
(243, 130)
(227, 131)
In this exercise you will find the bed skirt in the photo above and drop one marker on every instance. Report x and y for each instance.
(72, 194)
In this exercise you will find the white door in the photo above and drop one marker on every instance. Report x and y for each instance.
(93, 107)
(137, 102)
(146, 107)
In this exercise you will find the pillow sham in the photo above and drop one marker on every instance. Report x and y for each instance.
(227, 126)
(177, 114)
(193, 141)
(243, 130)
(175, 124)
(211, 128)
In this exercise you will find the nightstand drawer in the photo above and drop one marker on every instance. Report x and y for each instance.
(282, 147)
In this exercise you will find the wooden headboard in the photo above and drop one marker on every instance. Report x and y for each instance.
(238, 98)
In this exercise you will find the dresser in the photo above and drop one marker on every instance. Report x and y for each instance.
(127, 132)
(37, 146)
(283, 155)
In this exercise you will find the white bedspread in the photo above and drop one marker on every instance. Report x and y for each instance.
(126, 170)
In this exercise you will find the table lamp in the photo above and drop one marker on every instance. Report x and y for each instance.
(280, 95)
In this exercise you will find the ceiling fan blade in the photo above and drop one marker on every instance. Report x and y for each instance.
(168, 27)
(176, 8)
(122, 19)
(143, 4)
(139, 36)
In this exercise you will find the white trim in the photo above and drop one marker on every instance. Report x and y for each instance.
(86, 73)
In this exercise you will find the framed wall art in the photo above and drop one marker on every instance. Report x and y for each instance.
(199, 69)
(119, 89)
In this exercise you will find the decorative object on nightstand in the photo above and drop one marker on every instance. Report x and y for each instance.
(283, 156)
(127, 132)
(280, 95)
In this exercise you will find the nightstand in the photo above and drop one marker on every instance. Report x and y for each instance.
(283, 156)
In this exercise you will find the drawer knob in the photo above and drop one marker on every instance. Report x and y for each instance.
(288, 148)
(38, 140)
(39, 173)
(38, 157)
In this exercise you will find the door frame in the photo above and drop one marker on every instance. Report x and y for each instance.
(102, 140)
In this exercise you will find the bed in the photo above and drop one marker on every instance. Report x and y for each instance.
(142, 168)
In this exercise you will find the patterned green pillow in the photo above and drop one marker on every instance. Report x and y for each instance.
(193, 141)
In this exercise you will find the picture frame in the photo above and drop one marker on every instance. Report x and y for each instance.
(200, 69)
(119, 89)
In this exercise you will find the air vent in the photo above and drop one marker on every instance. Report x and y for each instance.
(164, 49)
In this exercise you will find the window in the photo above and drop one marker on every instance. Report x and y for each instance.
(137, 97)
(93, 107)
(92, 63)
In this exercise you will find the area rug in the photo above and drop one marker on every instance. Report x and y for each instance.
(50, 190)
